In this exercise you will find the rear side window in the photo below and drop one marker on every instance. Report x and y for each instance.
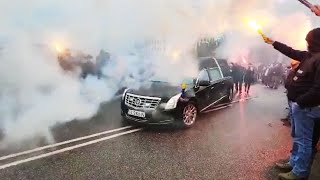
(214, 74)
(203, 76)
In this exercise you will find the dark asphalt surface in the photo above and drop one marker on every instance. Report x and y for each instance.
(240, 142)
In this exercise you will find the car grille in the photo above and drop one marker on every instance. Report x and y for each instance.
(144, 102)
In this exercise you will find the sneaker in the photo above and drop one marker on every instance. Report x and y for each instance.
(290, 176)
(284, 166)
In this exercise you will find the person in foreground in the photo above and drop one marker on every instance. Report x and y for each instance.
(291, 73)
(304, 93)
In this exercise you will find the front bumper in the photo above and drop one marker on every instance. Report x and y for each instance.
(152, 117)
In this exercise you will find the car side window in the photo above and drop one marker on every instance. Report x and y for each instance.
(214, 74)
(203, 76)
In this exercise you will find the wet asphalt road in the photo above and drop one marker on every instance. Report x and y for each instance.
(240, 142)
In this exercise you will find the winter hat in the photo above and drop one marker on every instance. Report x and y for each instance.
(313, 39)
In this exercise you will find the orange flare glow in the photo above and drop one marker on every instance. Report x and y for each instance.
(58, 48)
(254, 25)
(176, 55)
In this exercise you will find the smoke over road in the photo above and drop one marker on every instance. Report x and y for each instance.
(35, 94)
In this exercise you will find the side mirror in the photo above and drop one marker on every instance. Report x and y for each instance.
(204, 83)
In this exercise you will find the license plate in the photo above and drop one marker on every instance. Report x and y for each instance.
(136, 113)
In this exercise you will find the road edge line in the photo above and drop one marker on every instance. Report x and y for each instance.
(67, 149)
(62, 143)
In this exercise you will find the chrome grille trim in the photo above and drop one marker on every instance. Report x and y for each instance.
(141, 102)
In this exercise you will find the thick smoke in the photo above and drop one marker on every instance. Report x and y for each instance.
(35, 94)
(282, 20)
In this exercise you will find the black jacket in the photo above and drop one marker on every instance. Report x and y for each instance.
(291, 74)
(237, 73)
(304, 87)
(249, 75)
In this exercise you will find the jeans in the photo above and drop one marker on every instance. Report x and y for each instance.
(316, 135)
(290, 115)
(294, 149)
(301, 156)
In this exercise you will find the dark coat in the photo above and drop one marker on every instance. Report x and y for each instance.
(249, 75)
(304, 87)
(237, 73)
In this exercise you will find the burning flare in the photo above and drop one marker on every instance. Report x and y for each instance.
(176, 55)
(256, 27)
(244, 60)
(58, 48)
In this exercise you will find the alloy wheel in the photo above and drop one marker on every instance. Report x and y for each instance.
(189, 114)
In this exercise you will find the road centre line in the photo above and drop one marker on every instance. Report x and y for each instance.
(62, 143)
(67, 149)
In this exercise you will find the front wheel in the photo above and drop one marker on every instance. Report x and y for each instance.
(189, 114)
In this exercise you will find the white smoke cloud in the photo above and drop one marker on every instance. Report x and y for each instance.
(35, 94)
(282, 20)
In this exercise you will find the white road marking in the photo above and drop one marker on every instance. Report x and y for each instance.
(67, 149)
(62, 143)
(83, 144)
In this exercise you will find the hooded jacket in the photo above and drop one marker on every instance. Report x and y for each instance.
(304, 86)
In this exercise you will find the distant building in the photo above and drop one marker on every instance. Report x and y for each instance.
(151, 47)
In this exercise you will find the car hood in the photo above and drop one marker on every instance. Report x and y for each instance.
(162, 90)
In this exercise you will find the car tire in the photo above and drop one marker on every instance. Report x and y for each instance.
(189, 115)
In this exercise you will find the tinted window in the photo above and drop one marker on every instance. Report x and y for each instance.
(214, 74)
(203, 76)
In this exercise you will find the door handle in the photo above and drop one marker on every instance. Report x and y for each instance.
(212, 87)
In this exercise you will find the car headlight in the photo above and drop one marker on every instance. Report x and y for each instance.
(172, 103)
(124, 93)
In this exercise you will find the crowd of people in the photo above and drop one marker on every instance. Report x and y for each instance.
(272, 75)
(240, 75)
(84, 62)
(303, 93)
(302, 82)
